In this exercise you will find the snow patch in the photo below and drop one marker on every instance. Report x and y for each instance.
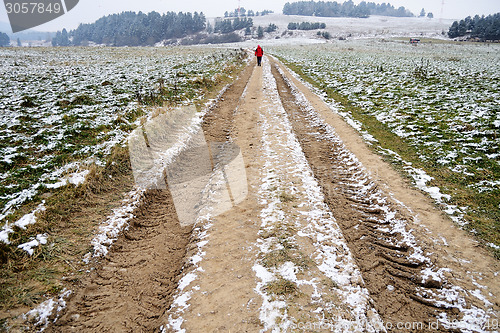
(40, 239)
(41, 314)
(333, 255)
(22, 223)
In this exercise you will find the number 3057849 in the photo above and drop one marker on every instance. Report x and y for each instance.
(32, 8)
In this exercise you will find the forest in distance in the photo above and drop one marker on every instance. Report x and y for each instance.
(346, 9)
(147, 29)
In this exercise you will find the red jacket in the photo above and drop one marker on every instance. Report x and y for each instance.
(259, 52)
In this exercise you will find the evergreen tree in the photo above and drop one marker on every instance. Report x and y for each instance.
(430, 15)
(56, 39)
(422, 13)
(230, 25)
(134, 29)
(306, 26)
(260, 32)
(483, 28)
(453, 31)
(4, 39)
(271, 28)
(64, 38)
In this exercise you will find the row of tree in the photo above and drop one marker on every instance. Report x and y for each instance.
(231, 25)
(346, 9)
(422, 14)
(134, 29)
(483, 28)
(306, 26)
(243, 12)
(4, 39)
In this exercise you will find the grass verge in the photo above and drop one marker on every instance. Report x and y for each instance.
(71, 217)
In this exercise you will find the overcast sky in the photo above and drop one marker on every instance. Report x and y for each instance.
(88, 11)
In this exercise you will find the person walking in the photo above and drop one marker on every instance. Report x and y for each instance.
(259, 53)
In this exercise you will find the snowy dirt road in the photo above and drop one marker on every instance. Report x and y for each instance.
(328, 238)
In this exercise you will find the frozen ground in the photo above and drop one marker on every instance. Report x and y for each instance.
(227, 262)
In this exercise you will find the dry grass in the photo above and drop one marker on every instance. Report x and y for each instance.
(282, 287)
(285, 197)
(71, 218)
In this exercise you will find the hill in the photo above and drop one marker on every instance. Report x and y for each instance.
(345, 9)
(348, 27)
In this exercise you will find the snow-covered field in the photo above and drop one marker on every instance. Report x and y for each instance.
(442, 99)
(64, 109)
(374, 26)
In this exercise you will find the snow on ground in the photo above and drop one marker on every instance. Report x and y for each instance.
(75, 104)
(22, 223)
(41, 316)
(374, 26)
(208, 208)
(40, 239)
(285, 160)
(110, 229)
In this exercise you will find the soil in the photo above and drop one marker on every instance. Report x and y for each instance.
(133, 289)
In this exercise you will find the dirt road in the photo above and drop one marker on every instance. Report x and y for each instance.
(328, 238)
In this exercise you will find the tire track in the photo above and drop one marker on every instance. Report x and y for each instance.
(133, 287)
(372, 225)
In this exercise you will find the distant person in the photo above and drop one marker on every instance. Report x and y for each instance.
(259, 53)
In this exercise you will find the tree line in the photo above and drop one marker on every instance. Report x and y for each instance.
(306, 26)
(134, 29)
(230, 25)
(481, 27)
(243, 12)
(346, 9)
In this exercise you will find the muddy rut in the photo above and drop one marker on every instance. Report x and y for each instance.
(352, 198)
(136, 287)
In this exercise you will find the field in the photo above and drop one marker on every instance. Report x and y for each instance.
(63, 113)
(63, 110)
(432, 109)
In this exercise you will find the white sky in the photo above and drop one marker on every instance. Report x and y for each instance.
(88, 11)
